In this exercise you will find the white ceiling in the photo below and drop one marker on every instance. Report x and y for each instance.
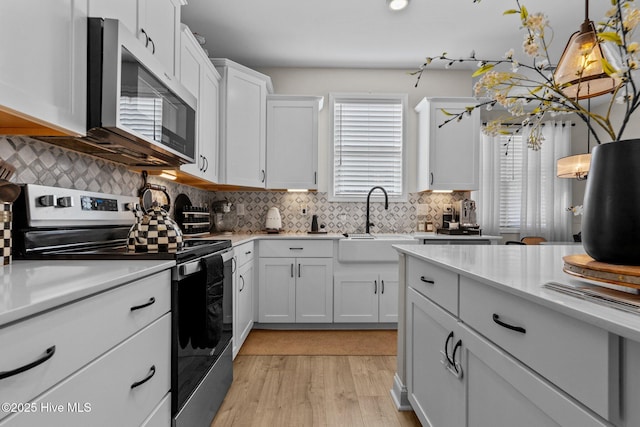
(366, 34)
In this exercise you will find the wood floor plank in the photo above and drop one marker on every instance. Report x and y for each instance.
(301, 391)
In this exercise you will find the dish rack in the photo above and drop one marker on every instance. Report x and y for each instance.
(195, 220)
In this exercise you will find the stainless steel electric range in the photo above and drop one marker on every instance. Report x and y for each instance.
(56, 223)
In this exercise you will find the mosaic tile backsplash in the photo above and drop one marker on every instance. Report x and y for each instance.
(41, 163)
(340, 217)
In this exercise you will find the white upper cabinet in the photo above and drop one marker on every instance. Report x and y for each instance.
(43, 76)
(292, 141)
(243, 127)
(156, 23)
(200, 77)
(448, 156)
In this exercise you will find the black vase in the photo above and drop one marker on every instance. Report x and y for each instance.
(611, 215)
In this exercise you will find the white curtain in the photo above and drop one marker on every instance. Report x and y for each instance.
(488, 196)
(545, 197)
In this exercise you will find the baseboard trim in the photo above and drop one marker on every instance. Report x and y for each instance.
(325, 326)
(399, 395)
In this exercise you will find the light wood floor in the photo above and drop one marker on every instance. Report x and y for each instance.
(301, 391)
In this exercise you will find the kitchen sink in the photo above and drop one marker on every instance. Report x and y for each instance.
(372, 247)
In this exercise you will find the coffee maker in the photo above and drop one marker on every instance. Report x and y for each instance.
(466, 210)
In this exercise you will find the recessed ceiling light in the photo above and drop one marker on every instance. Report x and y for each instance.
(397, 4)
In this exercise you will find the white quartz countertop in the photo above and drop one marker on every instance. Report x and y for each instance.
(435, 236)
(522, 270)
(31, 287)
(240, 238)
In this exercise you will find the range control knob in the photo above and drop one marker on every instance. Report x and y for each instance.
(64, 202)
(44, 201)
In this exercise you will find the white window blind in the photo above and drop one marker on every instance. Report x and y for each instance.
(511, 180)
(367, 146)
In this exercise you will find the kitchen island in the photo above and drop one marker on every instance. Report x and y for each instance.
(478, 331)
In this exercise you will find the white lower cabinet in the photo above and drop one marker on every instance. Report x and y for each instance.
(295, 290)
(456, 377)
(243, 298)
(365, 297)
(92, 352)
(435, 392)
(120, 388)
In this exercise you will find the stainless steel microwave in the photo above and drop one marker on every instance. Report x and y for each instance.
(134, 108)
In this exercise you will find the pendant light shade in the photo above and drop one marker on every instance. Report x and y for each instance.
(576, 166)
(581, 70)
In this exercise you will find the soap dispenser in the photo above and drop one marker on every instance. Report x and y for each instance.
(314, 223)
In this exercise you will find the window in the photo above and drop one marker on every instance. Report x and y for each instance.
(368, 146)
(511, 181)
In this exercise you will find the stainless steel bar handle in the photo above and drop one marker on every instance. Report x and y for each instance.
(195, 266)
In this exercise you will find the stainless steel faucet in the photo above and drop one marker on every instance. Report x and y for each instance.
(386, 205)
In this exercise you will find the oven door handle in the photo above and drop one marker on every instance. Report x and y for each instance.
(192, 267)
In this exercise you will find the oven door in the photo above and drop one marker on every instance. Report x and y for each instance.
(201, 341)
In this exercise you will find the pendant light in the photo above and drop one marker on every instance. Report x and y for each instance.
(580, 67)
(576, 166)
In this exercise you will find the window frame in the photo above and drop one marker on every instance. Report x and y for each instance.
(403, 100)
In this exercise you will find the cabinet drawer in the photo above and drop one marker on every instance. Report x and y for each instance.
(579, 358)
(296, 248)
(244, 253)
(436, 283)
(80, 332)
(161, 415)
(113, 386)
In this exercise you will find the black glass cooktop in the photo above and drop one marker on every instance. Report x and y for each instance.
(102, 244)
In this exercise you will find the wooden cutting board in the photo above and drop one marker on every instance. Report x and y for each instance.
(582, 265)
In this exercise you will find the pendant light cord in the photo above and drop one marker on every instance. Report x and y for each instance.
(586, 10)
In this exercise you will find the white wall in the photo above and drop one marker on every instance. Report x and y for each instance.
(322, 81)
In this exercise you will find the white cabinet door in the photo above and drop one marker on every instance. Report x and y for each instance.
(388, 298)
(208, 113)
(159, 20)
(292, 141)
(277, 290)
(156, 23)
(355, 297)
(243, 125)
(314, 290)
(43, 76)
(436, 394)
(244, 304)
(199, 76)
(448, 156)
(631, 383)
(125, 11)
